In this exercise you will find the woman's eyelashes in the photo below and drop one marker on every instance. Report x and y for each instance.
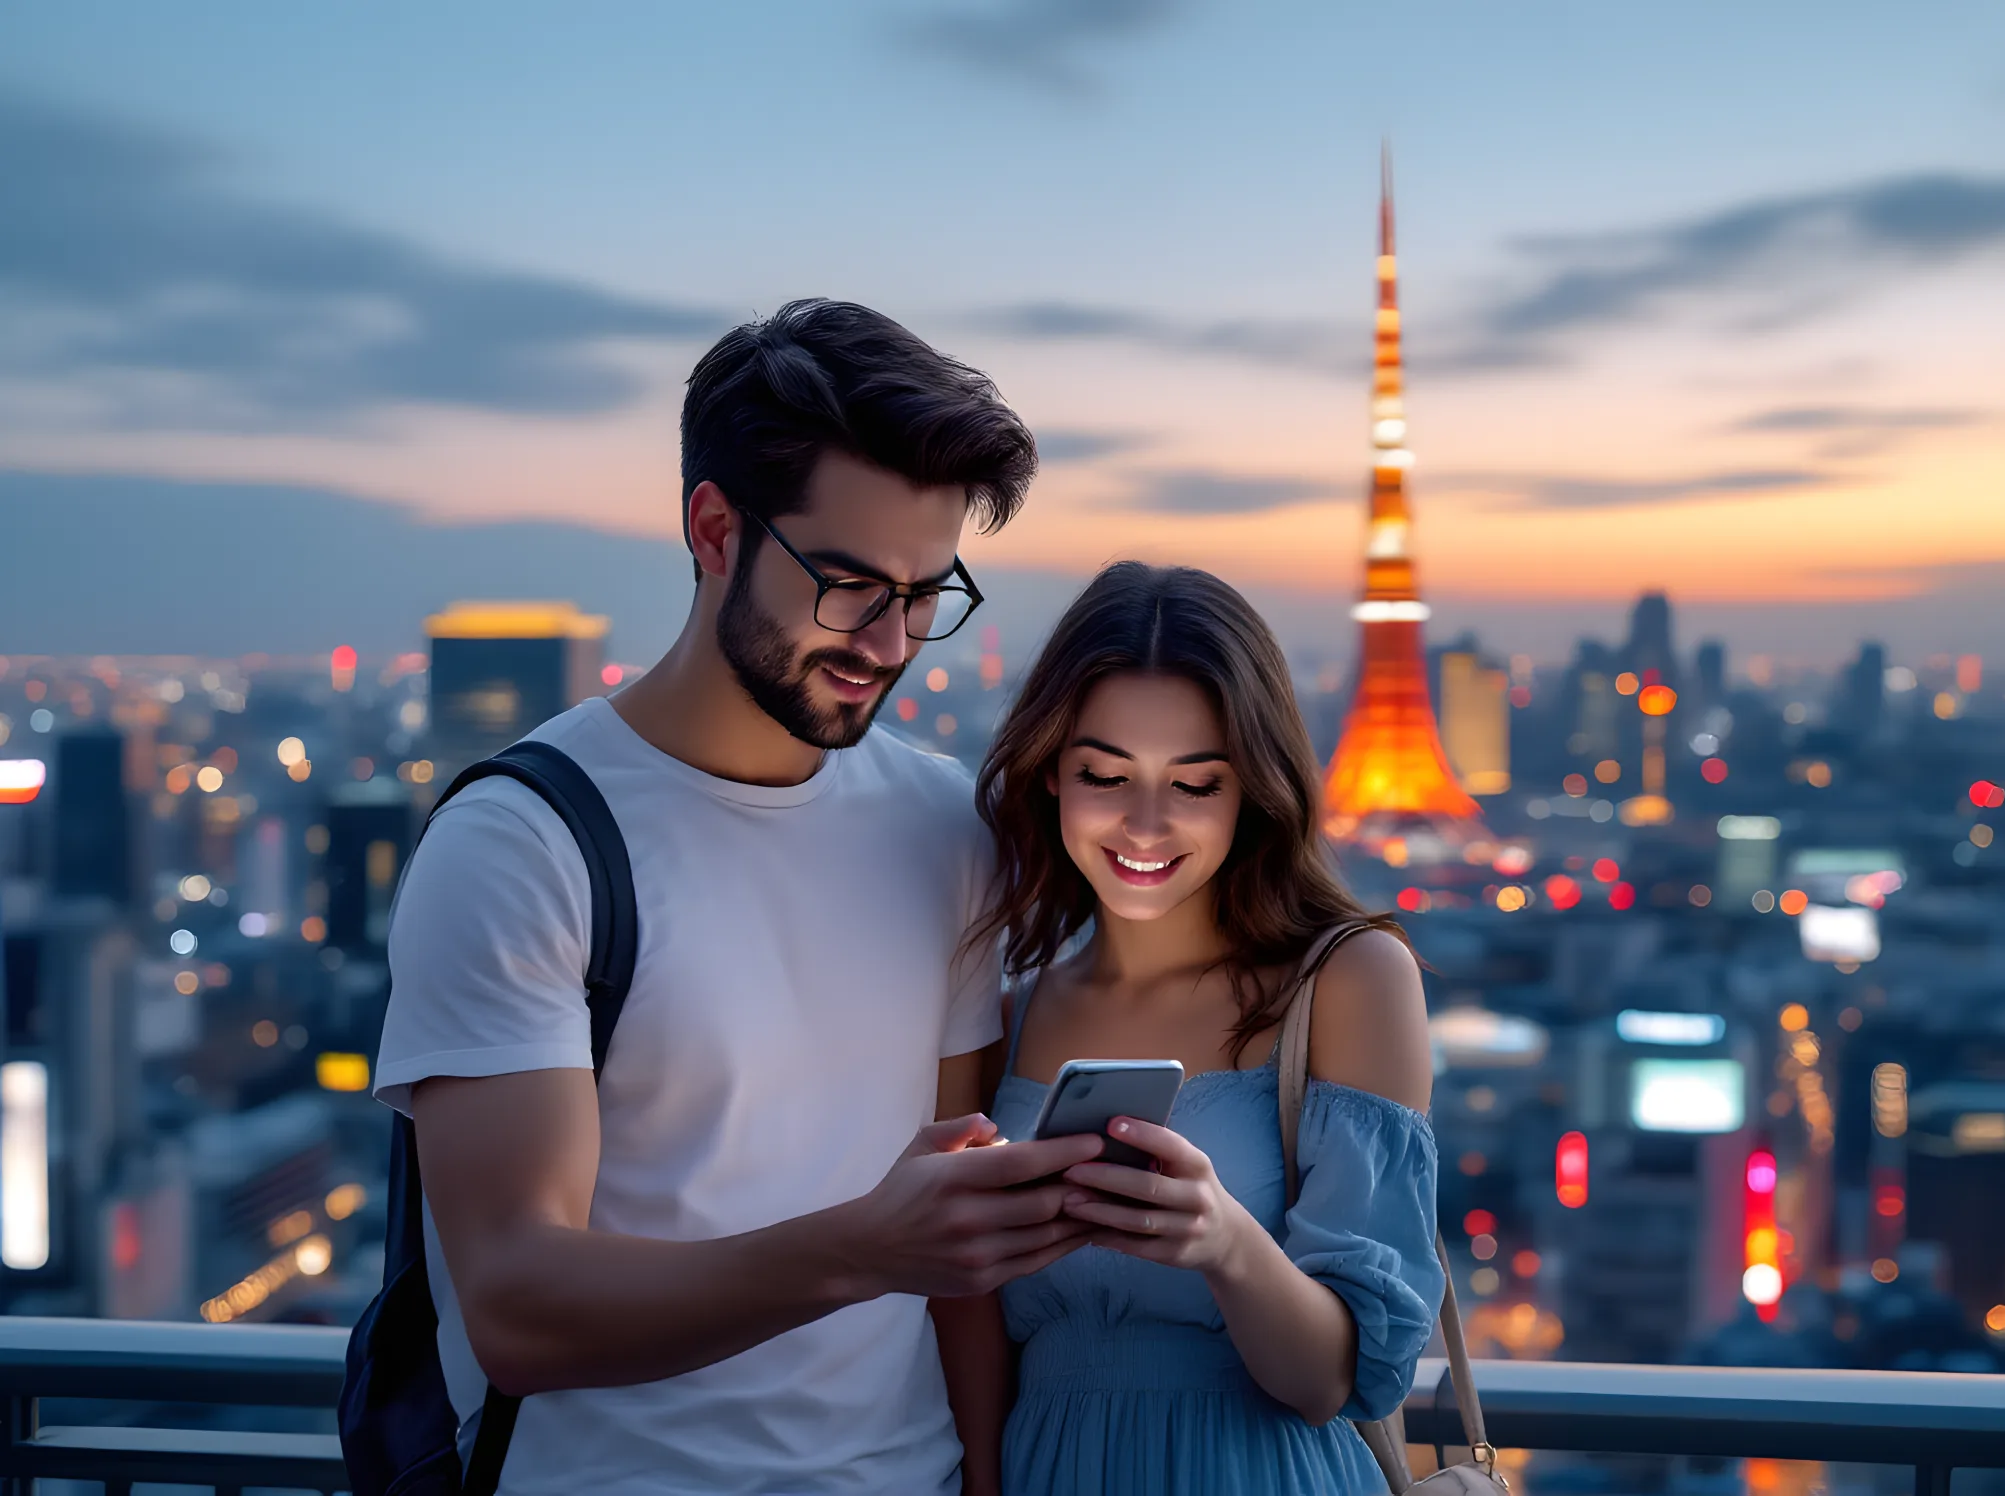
(1108, 781)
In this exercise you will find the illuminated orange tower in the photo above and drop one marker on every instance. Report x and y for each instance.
(1389, 780)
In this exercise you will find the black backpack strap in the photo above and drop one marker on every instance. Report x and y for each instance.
(609, 973)
(568, 790)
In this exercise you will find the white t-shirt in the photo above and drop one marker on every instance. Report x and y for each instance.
(795, 990)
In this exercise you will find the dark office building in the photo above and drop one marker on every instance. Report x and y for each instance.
(69, 1094)
(1710, 661)
(369, 829)
(1649, 647)
(499, 669)
(93, 826)
(1862, 689)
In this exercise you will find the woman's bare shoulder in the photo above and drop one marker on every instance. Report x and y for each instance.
(1370, 1028)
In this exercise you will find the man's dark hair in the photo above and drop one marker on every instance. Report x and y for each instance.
(820, 375)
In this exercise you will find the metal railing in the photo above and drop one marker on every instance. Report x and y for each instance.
(1931, 1422)
(256, 1366)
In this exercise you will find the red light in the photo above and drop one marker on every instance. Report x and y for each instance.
(1622, 896)
(1987, 796)
(1762, 1282)
(1889, 1200)
(1713, 771)
(907, 709)
(1521, 696)
(612, 675)
(1562, 892)
(1570, 1170)
(124, 1236)
(1761, 1172)
(344, 657)
(1605, 870)
(1412, 900)
(1479, 1223)
(1651, 677)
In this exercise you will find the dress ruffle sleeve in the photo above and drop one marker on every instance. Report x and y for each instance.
(1364, 1224)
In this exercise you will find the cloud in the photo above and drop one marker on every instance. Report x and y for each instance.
(1557, 491)
(1321, 346)
(1855, 418)
(1072, 445)
(1201, 491)
(1843, 431)
(1833, 244)
(131, 273)
(1773, 262)
(1037, 42)
(104, 564)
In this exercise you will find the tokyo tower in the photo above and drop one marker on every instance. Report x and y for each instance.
(1390, 788)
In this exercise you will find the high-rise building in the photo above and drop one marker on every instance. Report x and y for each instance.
(1747, 859)
(1864, 690)
(499, 669)
(369, 831)
(266, 889)
(1476, 721)
(93, 830)
(1591, 689)
(1649, 647)
(1710, 663)
(70, 1103)
(1390, 778)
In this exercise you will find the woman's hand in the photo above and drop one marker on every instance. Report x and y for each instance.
(1182, 1216)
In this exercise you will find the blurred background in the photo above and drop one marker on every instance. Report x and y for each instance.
(340, 361)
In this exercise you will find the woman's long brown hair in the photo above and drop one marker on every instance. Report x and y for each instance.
(1277, 889)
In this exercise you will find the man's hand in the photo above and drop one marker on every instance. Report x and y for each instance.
(961, 1214)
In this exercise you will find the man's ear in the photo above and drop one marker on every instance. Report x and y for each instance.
(709, 528)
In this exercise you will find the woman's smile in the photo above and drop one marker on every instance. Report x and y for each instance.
(1143, 872)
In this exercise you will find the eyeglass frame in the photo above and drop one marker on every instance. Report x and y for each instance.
(907, 591)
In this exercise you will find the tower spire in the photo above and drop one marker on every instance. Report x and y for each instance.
(1390, 776)
(1385, 197)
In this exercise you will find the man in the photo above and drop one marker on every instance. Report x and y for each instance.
(709, 1272)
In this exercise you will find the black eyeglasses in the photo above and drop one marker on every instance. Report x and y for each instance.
(848, 605)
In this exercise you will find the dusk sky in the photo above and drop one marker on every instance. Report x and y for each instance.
(1709, 297)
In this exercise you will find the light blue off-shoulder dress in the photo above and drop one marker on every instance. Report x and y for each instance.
(1130, 1385)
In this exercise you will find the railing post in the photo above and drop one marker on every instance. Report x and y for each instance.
(1932, 1480)
(23, 1417)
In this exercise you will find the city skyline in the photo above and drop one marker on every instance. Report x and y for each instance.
(1727, 342)
(1634, 550)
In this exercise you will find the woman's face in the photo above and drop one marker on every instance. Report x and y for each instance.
(1147, 803)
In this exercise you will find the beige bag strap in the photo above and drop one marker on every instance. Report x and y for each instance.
(1459, 1371)
(1386, 1438)
(1292, 1048)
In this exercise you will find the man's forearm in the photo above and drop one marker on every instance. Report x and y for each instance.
(551, 1307)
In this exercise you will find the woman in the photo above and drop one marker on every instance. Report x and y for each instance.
(1154, 786)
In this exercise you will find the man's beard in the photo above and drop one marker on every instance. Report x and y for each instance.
(763, 658)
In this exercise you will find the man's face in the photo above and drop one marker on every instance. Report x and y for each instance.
(861, 521)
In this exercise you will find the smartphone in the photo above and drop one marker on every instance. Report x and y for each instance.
(1088, 1094)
